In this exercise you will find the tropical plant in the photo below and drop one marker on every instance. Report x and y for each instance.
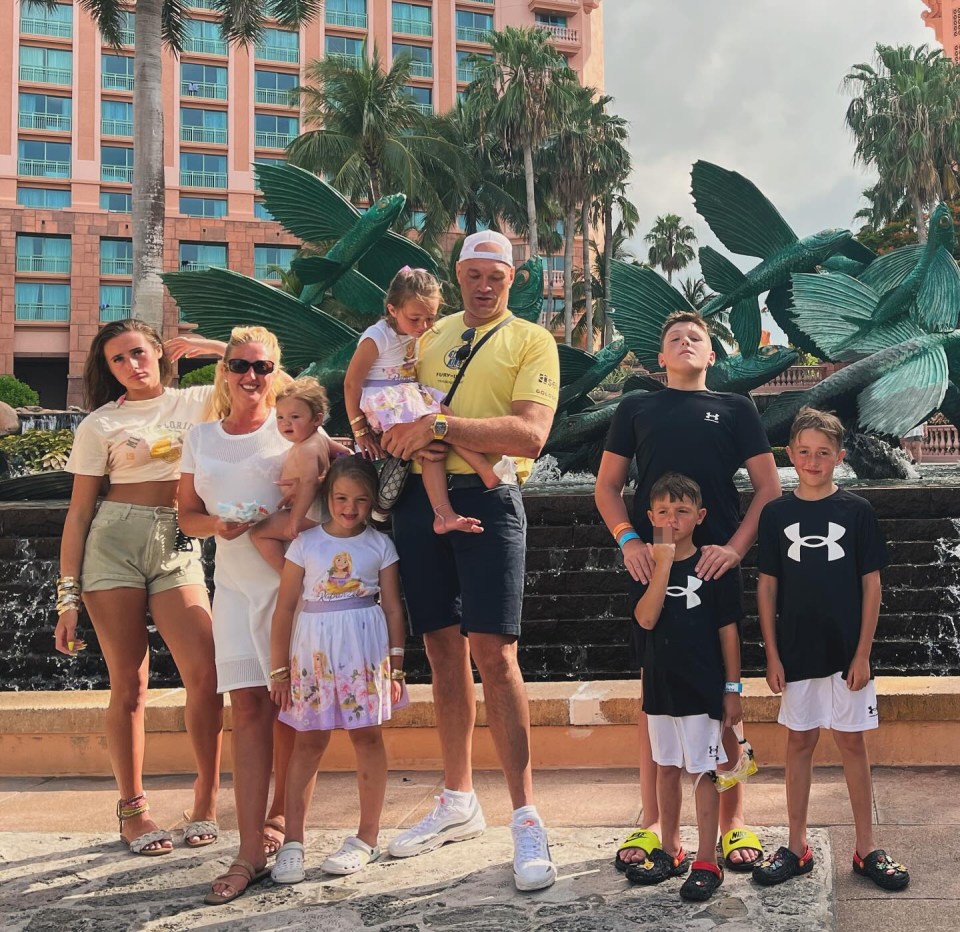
(519, 93)
(671, 244)
(695, 290)
(159, 23)
(17, 394)
(36, 450)
(204, 375)
(905, 118)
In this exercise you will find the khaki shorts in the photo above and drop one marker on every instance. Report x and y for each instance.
(132, 547)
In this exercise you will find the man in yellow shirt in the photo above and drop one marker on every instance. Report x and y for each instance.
(464, 591)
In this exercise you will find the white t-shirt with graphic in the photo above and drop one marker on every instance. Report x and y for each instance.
(139, 441)
(397, 361)
(339, 569)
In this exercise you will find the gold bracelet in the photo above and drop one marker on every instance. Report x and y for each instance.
(361, 433)
(281, 673)
(398, 675)
(357, 419)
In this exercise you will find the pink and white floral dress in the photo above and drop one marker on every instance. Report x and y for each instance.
(339, 651)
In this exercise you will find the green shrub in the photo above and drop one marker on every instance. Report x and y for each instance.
(17, 394)
(202, 376)
(37, 450)
(780, 456)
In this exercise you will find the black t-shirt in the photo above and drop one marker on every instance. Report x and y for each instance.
(704, 435)
(683, 671)
(819, 551)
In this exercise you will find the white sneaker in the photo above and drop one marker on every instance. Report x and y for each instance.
(442, 824)
(533, 868)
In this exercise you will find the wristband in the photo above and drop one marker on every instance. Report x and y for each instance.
(733, 687)
(620, 528)
(630, 535)
(396, 652)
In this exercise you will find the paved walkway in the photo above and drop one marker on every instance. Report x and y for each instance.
(59, 870)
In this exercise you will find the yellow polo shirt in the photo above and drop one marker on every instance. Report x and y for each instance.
(518, 363)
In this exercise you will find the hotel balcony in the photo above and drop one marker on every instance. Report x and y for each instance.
(37, 74)
(40, 168)
(54, 121)
(116, 128)
(200, 266)
(269, 95)
(421, 69)
(273, 140)
(277, 53)
(111, 312)
(466, 75)
(37, 26)
(59, 265)
(51, 312)
(469, 34)
(349, 20)
(203, 179)
(118, 173)
(116, 82)
(203, 134)
(116, 266)
(425, 109)
(205, 46)
(561, 33)
(203, 89)
(412, 27)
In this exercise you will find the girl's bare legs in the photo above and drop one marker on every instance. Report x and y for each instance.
(270, 539)
(371, 780)
(445, 518)
(308, 750)
(119, 618)
(182, 617)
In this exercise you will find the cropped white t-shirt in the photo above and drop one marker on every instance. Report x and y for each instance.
(139, 441)
(397, 361)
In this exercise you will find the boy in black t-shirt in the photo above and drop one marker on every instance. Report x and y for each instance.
(691, 683)
(818, 597)
(707, 436)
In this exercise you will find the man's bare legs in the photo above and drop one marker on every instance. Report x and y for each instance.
(649, 807)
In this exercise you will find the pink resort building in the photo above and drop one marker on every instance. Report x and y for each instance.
(943, 17)
(66, 155)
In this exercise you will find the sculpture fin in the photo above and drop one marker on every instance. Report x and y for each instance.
(391, 253)
(834, 306)
(573, 363)
(602, 365)
(905, 394)
(526, 292)
(881, 338)
(219, 300)
(317, 271)
(938, 301)
(889, 270)
(738, 213)
(647, 382)
(642, 301)
(305, 205)
(855, 251)
(778, 304)
(745, 324)
(360, 295)
(719, 272)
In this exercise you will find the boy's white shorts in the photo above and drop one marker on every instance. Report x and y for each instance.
(827, 703)
(688, 741)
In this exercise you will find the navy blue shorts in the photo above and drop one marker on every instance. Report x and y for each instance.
(471, 580)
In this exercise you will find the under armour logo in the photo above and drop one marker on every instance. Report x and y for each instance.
(714, 751)
(871, 709)
(834, 533)
(709, 416)
(693, 584)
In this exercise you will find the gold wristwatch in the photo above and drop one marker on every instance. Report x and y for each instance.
(440, 427)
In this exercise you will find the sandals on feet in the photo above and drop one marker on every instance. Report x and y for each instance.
(239, 868)
(288, 867)
(195, 829)
(782, 866)
(130, 808)
(659, 866)
(354, 855)
(881, 869)
(738, 839)
(271, 843)
(643, 839)
(703, 881)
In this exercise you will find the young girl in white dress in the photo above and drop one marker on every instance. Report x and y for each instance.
(341, 664)
(380, 388)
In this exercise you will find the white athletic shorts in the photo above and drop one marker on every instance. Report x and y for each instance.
(688, 741)
(827, 703)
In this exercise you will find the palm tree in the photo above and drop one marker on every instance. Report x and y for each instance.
(162, 23)
(905, 117)
(518, 94)
(695, 290)
(671, 244)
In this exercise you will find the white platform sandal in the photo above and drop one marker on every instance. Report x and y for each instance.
(354, 855)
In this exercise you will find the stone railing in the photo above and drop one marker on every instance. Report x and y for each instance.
(941, 443)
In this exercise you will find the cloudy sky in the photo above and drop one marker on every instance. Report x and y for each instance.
(752, 85)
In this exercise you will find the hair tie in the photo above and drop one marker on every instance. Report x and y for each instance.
(406, 269)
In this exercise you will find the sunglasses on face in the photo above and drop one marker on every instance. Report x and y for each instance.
(463, 353)
(243, 366)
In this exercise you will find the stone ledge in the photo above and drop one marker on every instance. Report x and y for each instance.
(575, 724)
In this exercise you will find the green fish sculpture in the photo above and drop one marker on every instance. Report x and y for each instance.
(643, 301)
(749, 225)
(903, 294)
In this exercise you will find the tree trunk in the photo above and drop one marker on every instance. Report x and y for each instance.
(607, 264)
(533, 239)
(587, 274)
(148, 174)
(917, 203)
(569, 225)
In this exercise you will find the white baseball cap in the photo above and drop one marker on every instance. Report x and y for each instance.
(487, 244)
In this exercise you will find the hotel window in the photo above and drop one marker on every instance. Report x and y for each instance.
(204, 37)
(274, 87)
(116, 202)
(208, 81)
(116, 164)
(128, 25)
(42, 111)
(198, 125)
(275, 132)
(46, 66)
(43, 198)
(116, 72)
(50, 254)
(422, 97)
(213, 207)
(278, 45)
(116, 257)
(421, 58)
(41, 159)
(38, 20)
(197, 256)
(260, 211)
(349, 49)
(412, 19)
(352, 13)
(551, 19)
(473, 27)
(115, 302)
(265, 256)
(41, 301)
(116, 118)
(466, 65)
(200, 170)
